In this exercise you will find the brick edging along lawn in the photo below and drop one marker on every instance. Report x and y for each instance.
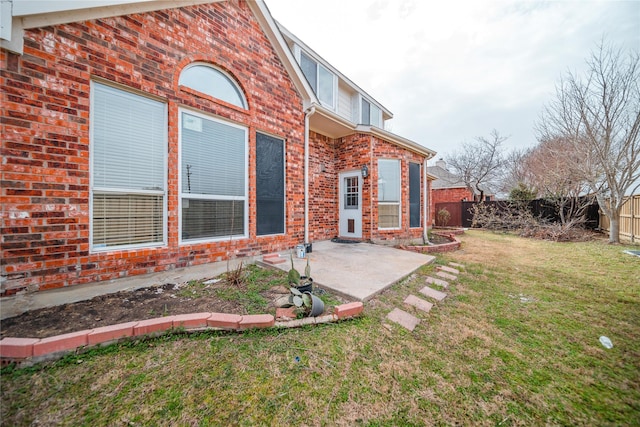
(34, 350)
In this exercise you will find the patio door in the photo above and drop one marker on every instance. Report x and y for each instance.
(350, 221)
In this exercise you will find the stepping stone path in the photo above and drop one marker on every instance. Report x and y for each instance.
(408, 320)
(418, 303)
(448, 269)
(439, 282)
(446, 276)
(432, 293)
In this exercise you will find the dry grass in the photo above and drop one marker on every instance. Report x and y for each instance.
(483, 356)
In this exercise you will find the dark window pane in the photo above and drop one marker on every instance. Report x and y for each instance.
(366, 112)
(310, 70)
(414, 195)
(269, 185)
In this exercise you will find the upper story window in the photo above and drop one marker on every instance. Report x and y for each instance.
(213, 82)
(371, 114)
(320, 79)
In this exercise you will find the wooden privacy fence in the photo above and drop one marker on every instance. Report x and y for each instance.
(629, 218)
(461, 213)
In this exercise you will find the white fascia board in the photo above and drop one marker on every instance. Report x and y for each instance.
(335, 71)
(272, 31)
(397, 139)
(36, 7)
(115, 8)
(34, 14)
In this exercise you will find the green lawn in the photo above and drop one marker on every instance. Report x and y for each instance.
(515, 343)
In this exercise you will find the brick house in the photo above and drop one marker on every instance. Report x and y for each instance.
(140, 137)
(448, 187)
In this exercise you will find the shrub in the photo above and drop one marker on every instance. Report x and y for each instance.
(443, 217)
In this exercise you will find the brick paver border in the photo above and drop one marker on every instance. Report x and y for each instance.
(33, 350)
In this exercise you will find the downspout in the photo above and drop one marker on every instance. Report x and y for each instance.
(425, 231)
(307, 113)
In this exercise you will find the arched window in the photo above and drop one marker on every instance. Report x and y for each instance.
(213, 82)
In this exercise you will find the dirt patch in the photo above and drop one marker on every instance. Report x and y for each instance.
(256, 296)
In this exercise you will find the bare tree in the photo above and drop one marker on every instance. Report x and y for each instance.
(600, 116)
(554, 168)
(480, 164)
(516, 174)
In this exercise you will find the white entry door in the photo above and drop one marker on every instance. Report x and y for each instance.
(351, 205)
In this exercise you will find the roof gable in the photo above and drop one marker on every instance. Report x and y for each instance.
(18, 15)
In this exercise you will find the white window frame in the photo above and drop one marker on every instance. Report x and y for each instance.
(372, 108)
(398, 203)
(298, 51)
(108, 190)
(182, 195)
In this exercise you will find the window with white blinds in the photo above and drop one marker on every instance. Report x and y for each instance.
(128, 169)
(388, 193)
(213, 182)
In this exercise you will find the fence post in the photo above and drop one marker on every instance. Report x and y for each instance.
(632, 200)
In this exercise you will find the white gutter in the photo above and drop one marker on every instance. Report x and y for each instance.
(396, 139)
(307, 113)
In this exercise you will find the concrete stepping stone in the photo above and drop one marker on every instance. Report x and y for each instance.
(418, 303)
(448, 269)
(456, 265)
(446, 276)
(432, 293)
(404, 319)
(433, 281)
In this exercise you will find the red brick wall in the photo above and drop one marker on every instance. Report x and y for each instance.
(442, 195)
(323, 187)
(347, 154)
(385, 150)
(45, 135)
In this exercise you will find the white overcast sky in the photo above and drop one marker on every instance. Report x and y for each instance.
(453, 70)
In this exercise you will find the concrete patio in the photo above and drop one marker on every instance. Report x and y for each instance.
(357, 270)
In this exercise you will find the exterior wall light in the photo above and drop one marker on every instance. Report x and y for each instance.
(365, 171)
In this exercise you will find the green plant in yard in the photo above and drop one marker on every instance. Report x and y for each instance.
(293, 276)
(514, 343)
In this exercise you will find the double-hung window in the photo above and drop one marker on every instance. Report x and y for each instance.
(388, 193)
(320, 79)
(128, 169)
(213, 183)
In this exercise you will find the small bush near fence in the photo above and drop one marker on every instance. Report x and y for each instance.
(443, 217)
